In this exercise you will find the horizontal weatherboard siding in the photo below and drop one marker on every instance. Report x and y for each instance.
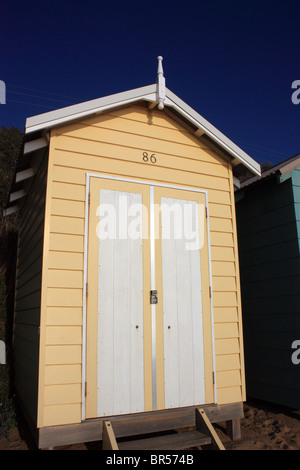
(28, 294)
(270, 275)
(114, 144)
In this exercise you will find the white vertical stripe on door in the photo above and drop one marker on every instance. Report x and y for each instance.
(182, 304)
(153, 306)
(120, 365)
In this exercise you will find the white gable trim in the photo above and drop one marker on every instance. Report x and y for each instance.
(78, 111)
(204, 127)
(147, 93)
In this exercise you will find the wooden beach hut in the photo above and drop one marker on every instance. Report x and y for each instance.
(268, 221)
(127, 303)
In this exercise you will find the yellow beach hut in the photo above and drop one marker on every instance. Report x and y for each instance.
(127, 304)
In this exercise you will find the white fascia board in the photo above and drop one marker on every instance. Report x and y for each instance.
(173, 101)
(77, 111)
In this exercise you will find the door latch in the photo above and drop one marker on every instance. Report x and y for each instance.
(153, 297)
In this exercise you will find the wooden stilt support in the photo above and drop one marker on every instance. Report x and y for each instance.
(233, 429)
(204, 425)
(108, 437)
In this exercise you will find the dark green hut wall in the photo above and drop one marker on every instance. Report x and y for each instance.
(270, 280)
(28, 294)
(296, 193)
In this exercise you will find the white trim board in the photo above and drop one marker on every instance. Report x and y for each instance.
(78, 111)
(153, 310)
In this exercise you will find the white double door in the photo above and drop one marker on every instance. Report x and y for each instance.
(147, 312)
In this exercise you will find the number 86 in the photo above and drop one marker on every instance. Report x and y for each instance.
(146, 158)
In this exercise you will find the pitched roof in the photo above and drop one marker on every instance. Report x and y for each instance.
(37, 127)
(282, 168)
(148, 93)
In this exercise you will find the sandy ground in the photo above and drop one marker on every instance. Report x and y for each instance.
(264, 427)
(267, 427)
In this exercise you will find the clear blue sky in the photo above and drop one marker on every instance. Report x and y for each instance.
(233, 61)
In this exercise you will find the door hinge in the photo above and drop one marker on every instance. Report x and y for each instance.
(89, 198)
(86, 289)
(213, 377)
(85, 389)
(210, 291)
(206, 212)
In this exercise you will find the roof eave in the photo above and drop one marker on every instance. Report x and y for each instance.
(81, 110)
(282, 168)
(51, 119)
(208, 129)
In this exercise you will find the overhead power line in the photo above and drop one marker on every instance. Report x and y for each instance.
(43, 92)
(39, 97)
(73, 100)
(31, 104)
(262, 149)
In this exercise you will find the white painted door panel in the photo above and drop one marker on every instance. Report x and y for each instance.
(120, 377)
(182, 304)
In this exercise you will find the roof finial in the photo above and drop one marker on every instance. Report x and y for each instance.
(160, 67)
(161, 84)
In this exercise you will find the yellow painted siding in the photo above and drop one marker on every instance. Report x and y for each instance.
(64, 413)
(62, 394)
(113, 144)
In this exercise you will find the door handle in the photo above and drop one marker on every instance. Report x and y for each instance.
(153, 297)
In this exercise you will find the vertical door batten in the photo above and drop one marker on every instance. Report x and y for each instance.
(153, 306)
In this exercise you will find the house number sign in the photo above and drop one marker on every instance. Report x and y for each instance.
(147, 158)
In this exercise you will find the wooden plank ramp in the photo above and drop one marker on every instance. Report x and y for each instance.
(204, 435)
